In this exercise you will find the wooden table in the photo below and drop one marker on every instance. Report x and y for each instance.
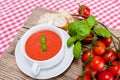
(8, 66)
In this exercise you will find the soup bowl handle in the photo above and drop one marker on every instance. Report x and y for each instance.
(35, 69)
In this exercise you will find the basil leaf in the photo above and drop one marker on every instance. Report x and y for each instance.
(44, 47)
(42, 39)
(84, 22)
(79, 37)
(91, 21)
(102, 32)
(77, 49)
(71, 41)
(79, 28)
(83, 30)
(72, 27)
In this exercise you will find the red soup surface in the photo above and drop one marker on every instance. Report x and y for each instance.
(33, 45)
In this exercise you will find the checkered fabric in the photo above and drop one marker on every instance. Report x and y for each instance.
(13, 14)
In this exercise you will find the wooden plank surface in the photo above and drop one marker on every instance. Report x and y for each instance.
(8, 66)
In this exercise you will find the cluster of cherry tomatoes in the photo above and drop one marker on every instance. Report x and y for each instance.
(100, 61)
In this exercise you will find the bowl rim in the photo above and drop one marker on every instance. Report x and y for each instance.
(38, 28)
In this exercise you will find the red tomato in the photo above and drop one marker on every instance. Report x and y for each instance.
(115, 63)
(100, 48)
(106, 41)
(78, 78)
(115, 69)
(97, 63)
(118, 78)
(84, 11)
(88, 71)
(88, 39)
(118, 55)
(86, 77)
(86, 56)
(105, 75)
(109, 55)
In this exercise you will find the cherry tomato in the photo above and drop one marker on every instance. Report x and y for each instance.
(118, 78)
(88, 71)
(109, 55)
(106, 41)
(86, 56)
(88, 39)
(78, 78)
(118, 55)
(84, 11)
(86, 77)
(100, 48)
(97, 63)
(115, 63)
(115, 69)
(105, 75)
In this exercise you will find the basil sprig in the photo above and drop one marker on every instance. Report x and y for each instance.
(80, 29)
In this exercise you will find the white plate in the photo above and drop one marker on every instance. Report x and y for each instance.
(25, 67)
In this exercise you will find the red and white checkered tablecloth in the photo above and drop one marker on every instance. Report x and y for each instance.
(13, 14)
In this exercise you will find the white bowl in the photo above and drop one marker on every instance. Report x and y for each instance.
(44, 64)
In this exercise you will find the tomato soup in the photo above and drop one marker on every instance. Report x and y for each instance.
(33, 45)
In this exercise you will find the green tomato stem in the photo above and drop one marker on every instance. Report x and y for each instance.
(117, 77)
(91, 51)
(114, 44)
(93, 77)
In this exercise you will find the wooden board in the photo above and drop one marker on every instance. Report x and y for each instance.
(8, 66)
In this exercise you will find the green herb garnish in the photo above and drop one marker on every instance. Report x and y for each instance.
(43, 43)
(44, 47)
(102, 32)
(79, 30)
(42, 39)
(77, 50)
